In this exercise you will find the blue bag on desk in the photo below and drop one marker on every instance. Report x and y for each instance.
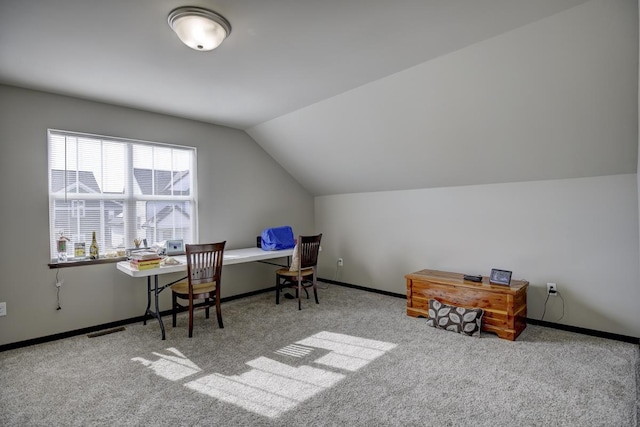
(276, 238)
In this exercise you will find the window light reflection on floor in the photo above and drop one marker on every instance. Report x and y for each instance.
(270, 387)
(173, 368)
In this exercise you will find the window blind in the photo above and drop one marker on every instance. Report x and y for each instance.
(123, 190)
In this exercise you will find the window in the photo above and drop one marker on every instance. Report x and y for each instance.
(121, 189)
(77, 208)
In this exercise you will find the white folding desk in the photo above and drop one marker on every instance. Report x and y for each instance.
(230, 257)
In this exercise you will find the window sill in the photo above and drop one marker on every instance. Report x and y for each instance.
(79, 263)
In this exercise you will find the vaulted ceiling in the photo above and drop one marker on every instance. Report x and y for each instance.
(362, 95)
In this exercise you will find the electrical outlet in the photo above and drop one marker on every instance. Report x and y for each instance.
(3, 308)
(552, 289)
(340, 262)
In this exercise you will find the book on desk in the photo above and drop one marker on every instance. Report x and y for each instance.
(144, 260)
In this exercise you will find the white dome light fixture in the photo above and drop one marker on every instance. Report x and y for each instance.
(199, 28)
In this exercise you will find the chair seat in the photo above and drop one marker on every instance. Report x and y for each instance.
(204, 276)
(182, 288)
(286, 272)
(303, 271)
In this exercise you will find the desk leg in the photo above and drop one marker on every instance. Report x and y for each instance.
(148, 311)
(157, 292)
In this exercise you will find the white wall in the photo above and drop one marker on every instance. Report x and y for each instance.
(241, 189)
(580, 233)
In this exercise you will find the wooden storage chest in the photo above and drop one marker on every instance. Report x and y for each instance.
(505, 307)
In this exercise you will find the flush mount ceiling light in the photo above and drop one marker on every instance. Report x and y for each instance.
(198, 28)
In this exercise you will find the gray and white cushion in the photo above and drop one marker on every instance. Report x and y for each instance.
(467, 321)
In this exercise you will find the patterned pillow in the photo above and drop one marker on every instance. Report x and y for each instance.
(462, 320)
(295, 259)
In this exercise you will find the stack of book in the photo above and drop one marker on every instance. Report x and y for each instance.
(144, 260)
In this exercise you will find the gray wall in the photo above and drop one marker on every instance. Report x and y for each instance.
(567, 211)
(241, 191)
(580, 233)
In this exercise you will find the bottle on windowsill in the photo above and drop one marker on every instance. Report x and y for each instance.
(93, 249)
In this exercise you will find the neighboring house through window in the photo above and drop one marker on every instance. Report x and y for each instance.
(121, 189)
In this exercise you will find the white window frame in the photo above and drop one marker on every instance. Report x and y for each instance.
(129, 197)
(77, 209)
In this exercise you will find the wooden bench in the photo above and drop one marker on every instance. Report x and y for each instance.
(505, 307)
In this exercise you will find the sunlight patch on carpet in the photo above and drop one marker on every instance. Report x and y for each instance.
(172, 367)
(350, 353)
(294, 350)
(271, 387)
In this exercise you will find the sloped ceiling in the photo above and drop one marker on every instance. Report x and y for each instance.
(550, 100)
(361, 95)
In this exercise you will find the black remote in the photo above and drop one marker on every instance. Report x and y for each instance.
(473, 278)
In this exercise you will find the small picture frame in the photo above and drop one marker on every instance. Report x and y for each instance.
(79, 250)
(500, 277)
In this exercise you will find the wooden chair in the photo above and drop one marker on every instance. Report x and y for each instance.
(303, 271)
(204, 273)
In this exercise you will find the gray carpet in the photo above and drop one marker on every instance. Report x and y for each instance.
(356, 359)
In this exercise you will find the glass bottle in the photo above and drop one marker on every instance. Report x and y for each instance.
(93, 249)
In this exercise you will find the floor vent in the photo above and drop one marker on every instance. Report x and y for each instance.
(105, 332)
